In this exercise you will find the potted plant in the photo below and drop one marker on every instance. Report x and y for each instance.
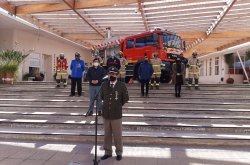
(9, 65)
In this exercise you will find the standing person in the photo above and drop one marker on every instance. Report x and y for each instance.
(193, 70)
(113, 61)
(61, 70)
(156, 62)
(95, 75)
(77, 68)
(184, 61)
(114, 95)
(145, 72)
(124, 63)
(178, 69)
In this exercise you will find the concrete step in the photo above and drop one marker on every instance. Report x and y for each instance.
(126, 109)
(175, 118)
(129, 137)
(151, 126)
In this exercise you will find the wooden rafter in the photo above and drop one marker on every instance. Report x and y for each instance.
(8, 6)
(83, 4)
(143, 15)
(237, 42)
(71, 4)
(83, 36)
(216, 23)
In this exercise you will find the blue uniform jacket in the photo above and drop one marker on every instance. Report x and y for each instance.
(145, 71)
(77, 67)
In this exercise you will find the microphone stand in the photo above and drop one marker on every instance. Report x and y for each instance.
(96, 162)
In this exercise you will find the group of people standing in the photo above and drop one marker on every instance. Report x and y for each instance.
(149, 72)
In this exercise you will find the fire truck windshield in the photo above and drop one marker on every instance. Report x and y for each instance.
(171, 41)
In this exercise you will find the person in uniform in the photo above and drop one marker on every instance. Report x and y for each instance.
(61, 70)
(124, 63)
(113, 61)
(178, 69)
(155, 80)
(114, 95)
(193, 70)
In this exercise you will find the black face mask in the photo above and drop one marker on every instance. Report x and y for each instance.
(112, 78)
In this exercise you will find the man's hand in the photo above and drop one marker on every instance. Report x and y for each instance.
(94, 81)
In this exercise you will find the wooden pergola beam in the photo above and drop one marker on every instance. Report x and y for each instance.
(216, 23)
(8, 6)
(143, 15)
(237, 42)
(83, 36)
(72, 5)
(192, 35)
(83, 4)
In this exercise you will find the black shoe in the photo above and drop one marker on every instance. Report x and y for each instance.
(64, 86)
(71, 95)
(57, 86)
(90, 113)
(99, 113)
(105, 157)
(118, 157)
(178, 95)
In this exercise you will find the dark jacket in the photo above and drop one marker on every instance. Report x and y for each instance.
(113, 100)
(114, 62)
(95, 74)
(178, 77)
(145, 71)
(77, 68)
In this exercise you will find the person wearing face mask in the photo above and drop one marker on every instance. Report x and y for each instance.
(113, 61)
(178, 69)
(95, 76)
(77, 68)
(193, 71)
(145, 73)
(61, 70)
(114, 95)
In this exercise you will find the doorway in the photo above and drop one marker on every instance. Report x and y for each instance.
(48, 64)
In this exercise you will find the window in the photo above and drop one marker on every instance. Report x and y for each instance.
(217, 66)
(150, 40)
(202, 68)
(172, 41)
(130, 44)
(145, 41)
(140, 42)
(210, 67)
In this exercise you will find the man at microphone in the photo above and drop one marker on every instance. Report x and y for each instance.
(114, 95)
(95, 77)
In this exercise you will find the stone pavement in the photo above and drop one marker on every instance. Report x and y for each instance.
(52, 153)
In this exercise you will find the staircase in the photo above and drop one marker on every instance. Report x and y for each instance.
(213, 115)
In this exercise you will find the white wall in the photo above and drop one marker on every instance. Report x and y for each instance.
(33, 41)
(223, 70)
(6, 39)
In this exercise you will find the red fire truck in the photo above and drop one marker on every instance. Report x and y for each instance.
(167, 45)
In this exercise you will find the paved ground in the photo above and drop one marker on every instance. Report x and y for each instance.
(51, 153)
